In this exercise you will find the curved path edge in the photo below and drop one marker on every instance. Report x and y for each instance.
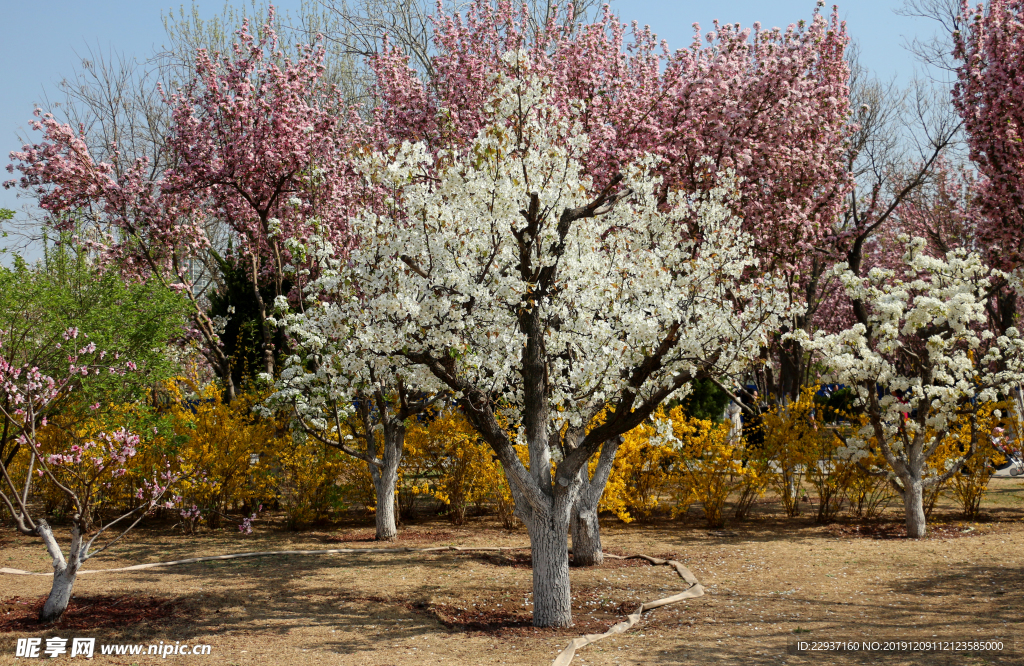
(694, 590)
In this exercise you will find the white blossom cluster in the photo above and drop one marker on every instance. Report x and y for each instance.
(437, 271)
(926, 347)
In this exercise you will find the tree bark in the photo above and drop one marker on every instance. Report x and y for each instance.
(586, 536)
(60, 595)
(552, 599)
(64, 573)
(586, 529)
(913, 504)
(384, 486)
(385, 478)
(265, 330)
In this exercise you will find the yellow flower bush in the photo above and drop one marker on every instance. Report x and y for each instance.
(314, 479)
(806, 444)
(869, 494)
(458, 467)
(969, 485)
(227, 453)
(642, 473)
(710, 468)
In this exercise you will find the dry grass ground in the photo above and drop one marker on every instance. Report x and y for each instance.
(769, 581)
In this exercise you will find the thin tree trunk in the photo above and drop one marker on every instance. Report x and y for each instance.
(229, 387)
(586, 529)
(913, 504)
(586, 536)
(64, 573)
(552, 599)
(265, 331)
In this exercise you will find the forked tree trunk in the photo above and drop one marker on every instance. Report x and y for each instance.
(60, 595)
(586, 530)
(552, 599)
(913, 505)
(64, 572)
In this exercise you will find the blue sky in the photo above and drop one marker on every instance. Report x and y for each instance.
(44, 41)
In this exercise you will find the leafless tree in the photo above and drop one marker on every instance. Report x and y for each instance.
(936, 50)
(901, 135)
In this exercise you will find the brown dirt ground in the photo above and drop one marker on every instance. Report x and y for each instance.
(770, 580)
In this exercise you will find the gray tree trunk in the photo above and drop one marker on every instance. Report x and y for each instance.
(60, 595)
(552, 598)
(385, 478)
(586, 530)
(913, 504)
(64, 572)
(384, 482)
(586, 537)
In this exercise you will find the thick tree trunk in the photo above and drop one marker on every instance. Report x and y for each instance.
(385, 479)
(64, 573)
(913, 504)
(384, 485)
(552, 599)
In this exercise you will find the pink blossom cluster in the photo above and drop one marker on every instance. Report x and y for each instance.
(153, 489)
(989, 95)
(261, 144)
(109, 450)
(771, 105)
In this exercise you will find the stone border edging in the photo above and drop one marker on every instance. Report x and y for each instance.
(564, 657)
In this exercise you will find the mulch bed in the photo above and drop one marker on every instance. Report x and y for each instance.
(87, 612)
(522, 559)
(509, 613)
(505, 616)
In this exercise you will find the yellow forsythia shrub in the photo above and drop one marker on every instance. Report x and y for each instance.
(869, 494)
(641, 474)
(227, 454)
(710, 467)
(805, 434)
(458, 467)
(969, 485)
(785, 444)
(314, 479)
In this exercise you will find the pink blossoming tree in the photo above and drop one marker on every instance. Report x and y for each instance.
(260, 145)
(988, 94)
(32, 398)
(257, 148)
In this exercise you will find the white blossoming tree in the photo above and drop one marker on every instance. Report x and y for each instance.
(346, 398)
(495, 269)
(923, 361)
